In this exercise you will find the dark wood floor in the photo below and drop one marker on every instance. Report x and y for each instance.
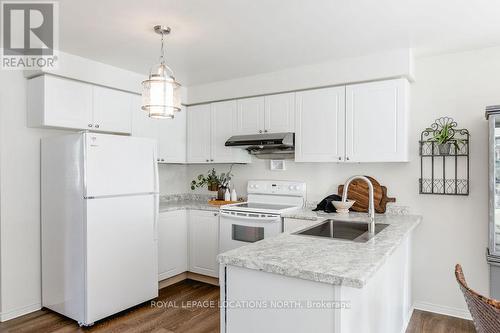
(188, 306)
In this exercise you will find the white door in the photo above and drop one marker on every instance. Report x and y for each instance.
(223, 127)
(118, 165)
(112, 110)
(280, 113)
(68, 103)
(376, 121)
(203, 242)
(172, 244)
(121, 254)
(142, 125)
(198, 133)
(172, 138)
(319, 125)
(250, 115)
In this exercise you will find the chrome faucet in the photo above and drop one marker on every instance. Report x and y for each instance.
(371, 206)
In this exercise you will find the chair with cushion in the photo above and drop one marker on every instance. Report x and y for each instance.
(485, 311)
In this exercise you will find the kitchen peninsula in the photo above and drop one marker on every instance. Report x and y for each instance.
(297, 283)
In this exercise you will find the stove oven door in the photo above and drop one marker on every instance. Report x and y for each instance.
(242, 228)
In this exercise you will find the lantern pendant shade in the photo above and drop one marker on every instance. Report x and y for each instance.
(160, 92)
(160, 96)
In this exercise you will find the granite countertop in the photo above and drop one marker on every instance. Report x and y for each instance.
(331, 261)
(186, 204)
(172, 202)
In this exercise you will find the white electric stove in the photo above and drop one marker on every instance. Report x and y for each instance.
(259, 217)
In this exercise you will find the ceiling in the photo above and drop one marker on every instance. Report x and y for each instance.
(222, 39)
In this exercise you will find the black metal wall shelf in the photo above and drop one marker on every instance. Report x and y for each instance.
(444, 169)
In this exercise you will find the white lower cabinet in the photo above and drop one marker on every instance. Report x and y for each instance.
(204, 242)
(172, 243)
(188, 241)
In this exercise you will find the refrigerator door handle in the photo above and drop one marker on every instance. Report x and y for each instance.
(156, 195)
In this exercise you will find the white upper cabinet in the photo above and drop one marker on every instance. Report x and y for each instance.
(250, 115)
(57, 102)
(267, 114)
(172, 138)
(279, 115)
(224, 122)
(377, 121)
(112, 110)
(209, 127)
(319, 125)
(65, 103)
(198, 130)
(170, 134)
(142, 124)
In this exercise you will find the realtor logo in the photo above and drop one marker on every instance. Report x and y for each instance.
(29, 34)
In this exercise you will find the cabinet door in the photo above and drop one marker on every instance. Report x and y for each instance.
(172, 244)
(142, 125)
(112, 110)
(198, 133)
(172, 138)
(376, 125)
(203, 242)
(250, 116)
(67, 103)
(319, 127)
(224, 120)
(279, 113)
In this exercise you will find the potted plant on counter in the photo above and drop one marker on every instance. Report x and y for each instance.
(213, 181)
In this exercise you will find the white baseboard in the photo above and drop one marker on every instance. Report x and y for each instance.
(407, 321)
(441, 309)
(4, 316)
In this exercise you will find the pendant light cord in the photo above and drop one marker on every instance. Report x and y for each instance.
(162, 55)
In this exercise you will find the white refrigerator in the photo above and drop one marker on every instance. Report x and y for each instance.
(99, 208)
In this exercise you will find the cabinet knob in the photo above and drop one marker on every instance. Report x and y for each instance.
(215, 214)
(162, 160)
(265, 131)
(347, 158)
(157, 160)
(208, 160)
(96, 126)
(90, 125)
(260, 131)
(211, 160)
(340, 158)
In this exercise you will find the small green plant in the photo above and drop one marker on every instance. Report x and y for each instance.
(445, 135)
(212, 180)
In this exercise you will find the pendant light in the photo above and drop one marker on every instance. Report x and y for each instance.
(160, 92)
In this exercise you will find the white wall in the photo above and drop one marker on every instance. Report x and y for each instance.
(20, 186)
(389, 64)
(454, 229)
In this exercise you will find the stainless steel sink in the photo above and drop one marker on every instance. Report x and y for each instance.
(352, 231)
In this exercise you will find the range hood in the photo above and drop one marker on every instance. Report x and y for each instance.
(276, 146)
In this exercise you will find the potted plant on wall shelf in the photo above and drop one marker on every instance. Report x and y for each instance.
(444, 135)
(213, 181)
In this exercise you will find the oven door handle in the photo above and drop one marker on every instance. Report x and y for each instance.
(246, 217)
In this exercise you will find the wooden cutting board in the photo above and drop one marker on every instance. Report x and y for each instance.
(358, 191)
(220, 202)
